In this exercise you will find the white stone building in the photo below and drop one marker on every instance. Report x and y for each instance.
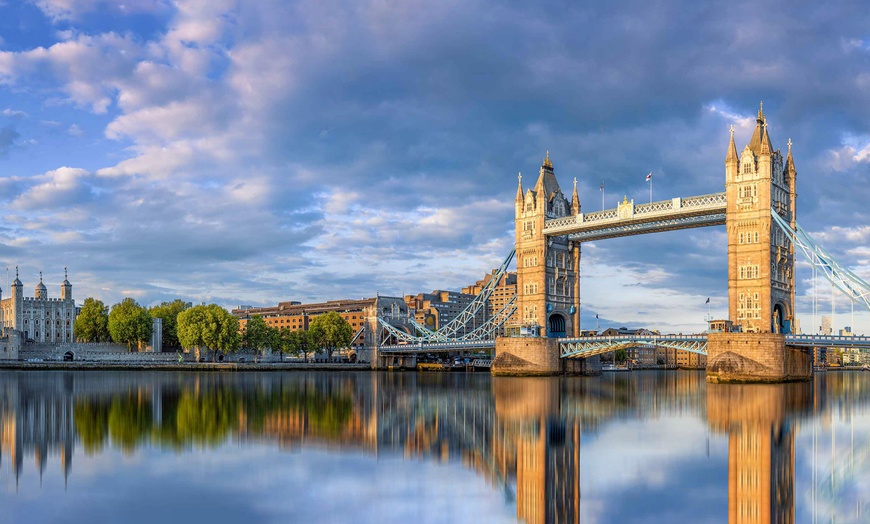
(40, 318)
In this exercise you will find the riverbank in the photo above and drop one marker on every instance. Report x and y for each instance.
(183, 366)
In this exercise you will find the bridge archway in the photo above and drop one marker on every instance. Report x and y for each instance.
(779, 321)
(556, 326)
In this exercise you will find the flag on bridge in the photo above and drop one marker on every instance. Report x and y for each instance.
(708, 300)
(649, 177)
(602, 186)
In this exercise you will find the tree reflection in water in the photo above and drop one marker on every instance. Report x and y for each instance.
(528, 437)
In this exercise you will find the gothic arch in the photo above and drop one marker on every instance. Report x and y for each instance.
(556, 326)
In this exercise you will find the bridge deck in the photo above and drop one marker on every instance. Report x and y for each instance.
(630, 219)
(589, 346)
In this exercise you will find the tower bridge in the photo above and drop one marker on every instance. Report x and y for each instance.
(758, 210)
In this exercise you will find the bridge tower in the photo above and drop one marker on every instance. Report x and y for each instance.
(547, 267)
(761, 291)
(548, 283)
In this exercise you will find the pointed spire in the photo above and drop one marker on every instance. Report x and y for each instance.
(519, 197)
(575, 199)
(761, 111)
(789, 161)
(732, 148)
(40, 277)
(766, 148)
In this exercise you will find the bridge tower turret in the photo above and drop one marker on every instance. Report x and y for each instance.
(547, 267)
(760, 258)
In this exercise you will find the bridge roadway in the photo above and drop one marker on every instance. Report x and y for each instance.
(590, 346)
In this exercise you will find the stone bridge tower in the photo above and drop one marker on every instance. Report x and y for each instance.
(761, 291)
(547, 267)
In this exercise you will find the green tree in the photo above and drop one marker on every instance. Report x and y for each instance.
(258, 335)
(621, 355)
(210, 327)
(129, 322)
(331, 331)
(168, 312)
(92, 324)
(297, 343)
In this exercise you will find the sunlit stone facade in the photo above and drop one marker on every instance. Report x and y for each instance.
(760, 256)
(40, 318)
(547, 267)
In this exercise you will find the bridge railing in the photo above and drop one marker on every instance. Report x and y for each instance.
(626, 212)
(828, 340)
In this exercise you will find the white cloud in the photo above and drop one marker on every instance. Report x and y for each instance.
(87, 67)
(63, 10)
(59, 187)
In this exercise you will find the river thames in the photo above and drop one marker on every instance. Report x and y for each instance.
(312, 447)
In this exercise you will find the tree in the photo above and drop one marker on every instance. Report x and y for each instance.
(621, 355)
(129, 322)
(331, 331)
(297, 343)
(210, 327)
(258, 335)
(92, 324)
(168, 312)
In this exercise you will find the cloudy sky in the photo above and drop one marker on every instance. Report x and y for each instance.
(250, 152)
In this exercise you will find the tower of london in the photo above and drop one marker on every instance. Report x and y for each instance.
(39, 318)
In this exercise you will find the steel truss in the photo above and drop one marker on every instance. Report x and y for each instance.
(853, 286)
(655, 226)
(589, 346)
(470, 312)
(436, 347)
(448, 334)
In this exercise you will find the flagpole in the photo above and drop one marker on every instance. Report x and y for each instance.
(602, 196)
(650, 190)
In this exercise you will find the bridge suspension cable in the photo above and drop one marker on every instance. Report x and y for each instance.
(457, 329)
(853, 286)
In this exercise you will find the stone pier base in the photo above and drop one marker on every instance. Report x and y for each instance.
(537, 356)
(755, 357)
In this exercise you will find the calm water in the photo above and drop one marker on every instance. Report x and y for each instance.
(156, 447)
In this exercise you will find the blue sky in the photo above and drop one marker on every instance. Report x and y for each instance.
(251, 152)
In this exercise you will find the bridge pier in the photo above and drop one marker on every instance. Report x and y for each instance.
(538, 356)
(755, 357)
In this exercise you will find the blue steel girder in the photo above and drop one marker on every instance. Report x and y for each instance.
(642, 228)
(832, 341)
(438, 347)
(468, 314)
(589, 346)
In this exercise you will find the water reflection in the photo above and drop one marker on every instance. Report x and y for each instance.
(536, 441)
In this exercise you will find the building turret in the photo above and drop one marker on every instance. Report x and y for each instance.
(40, 293)
(17, 286)
(65, 287)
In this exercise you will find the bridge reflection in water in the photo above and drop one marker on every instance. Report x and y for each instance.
(526, 436)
